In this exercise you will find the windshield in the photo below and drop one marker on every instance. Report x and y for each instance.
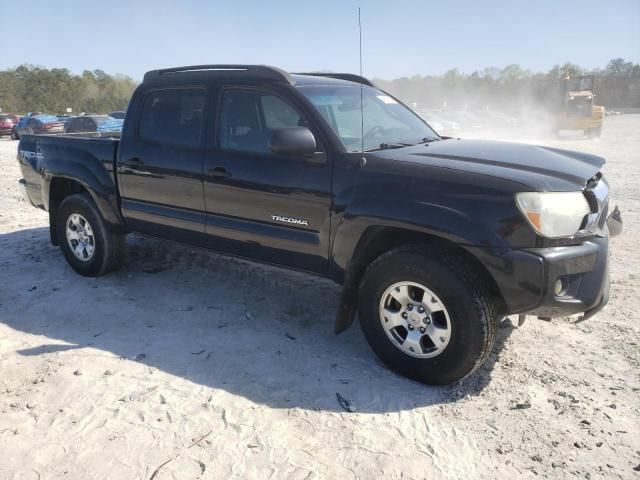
(387, 123)
(47, 118)
(580, 84)
(108, 124)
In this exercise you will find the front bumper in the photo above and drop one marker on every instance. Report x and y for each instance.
(583, 270)
(528, 279)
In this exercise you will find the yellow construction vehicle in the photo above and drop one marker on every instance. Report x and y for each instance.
(578, 110)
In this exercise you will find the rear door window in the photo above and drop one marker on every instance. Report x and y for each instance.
(173, 116)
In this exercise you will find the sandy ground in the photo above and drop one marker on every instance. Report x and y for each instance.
(190, 365)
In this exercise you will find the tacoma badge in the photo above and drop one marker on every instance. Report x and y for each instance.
(297, 221)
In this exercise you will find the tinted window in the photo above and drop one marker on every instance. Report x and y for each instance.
(385, 120)
(47, 118)
(248, 118)
(173, 117)
(278, 113)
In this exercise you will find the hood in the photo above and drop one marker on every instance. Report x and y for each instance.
(541, 168)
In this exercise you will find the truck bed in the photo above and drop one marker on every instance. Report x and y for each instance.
(42, 157)
(97, 147)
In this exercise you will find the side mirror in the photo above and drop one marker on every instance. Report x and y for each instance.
(292, 141)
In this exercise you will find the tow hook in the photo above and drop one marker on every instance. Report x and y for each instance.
(614, 222)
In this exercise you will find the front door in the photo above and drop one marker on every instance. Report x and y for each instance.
(260, 204)
(160, 165)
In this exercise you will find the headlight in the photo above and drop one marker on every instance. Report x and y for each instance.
(554, 214)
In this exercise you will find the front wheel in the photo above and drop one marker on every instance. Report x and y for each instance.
(90, 247)
(426, 314)
(14, 135)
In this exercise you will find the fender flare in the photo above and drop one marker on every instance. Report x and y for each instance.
(352, 237)
(98, 182)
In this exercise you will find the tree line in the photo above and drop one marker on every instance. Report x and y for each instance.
(513, 89)
(30, 88)
(510, 89)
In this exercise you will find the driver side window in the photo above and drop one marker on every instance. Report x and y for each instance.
(248, 118)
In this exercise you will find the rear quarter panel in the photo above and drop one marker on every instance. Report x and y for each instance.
(89, 161)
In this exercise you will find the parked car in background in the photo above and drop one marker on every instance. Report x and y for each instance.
(38, 124)
(119, 114)
(65, 117)
(14, 132)
(22, 124)
(93, 123)
(7, 123)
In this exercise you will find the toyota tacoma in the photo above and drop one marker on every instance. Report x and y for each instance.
(433, 239)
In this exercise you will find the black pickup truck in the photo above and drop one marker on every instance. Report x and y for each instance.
(434, 239)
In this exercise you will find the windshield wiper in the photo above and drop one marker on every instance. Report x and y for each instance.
(428, 140)
(387, 146)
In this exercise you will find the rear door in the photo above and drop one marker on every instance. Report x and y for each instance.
(88, 125)
(72, 125)
(259, 204)
(160, 164)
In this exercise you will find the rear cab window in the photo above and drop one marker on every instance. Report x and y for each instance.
(173, 116)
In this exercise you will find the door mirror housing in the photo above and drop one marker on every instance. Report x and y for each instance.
(292, 141)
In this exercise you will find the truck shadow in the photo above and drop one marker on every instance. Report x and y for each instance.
(257, 331)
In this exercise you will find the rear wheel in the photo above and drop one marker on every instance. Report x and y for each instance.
(14, 135)
(88, 245)
(426, 315)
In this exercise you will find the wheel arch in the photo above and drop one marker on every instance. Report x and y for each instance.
(61, 187)
(378, 240)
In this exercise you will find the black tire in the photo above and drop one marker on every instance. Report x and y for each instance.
(473, 316)
(108, 245)
(14, 135)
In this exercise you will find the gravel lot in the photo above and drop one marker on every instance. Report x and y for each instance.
(187, 365)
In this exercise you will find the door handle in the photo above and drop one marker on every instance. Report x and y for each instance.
(133, 165)
(318, 158)
(219, 173)
(134, 162)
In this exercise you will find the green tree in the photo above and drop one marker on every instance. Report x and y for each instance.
(31, 88)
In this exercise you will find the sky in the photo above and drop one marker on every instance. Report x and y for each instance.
(400, 37)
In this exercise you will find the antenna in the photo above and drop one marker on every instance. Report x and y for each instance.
(363, 160)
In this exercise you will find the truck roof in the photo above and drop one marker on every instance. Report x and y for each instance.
(250, 72)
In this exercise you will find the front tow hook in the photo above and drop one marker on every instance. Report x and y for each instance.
(614, 222)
